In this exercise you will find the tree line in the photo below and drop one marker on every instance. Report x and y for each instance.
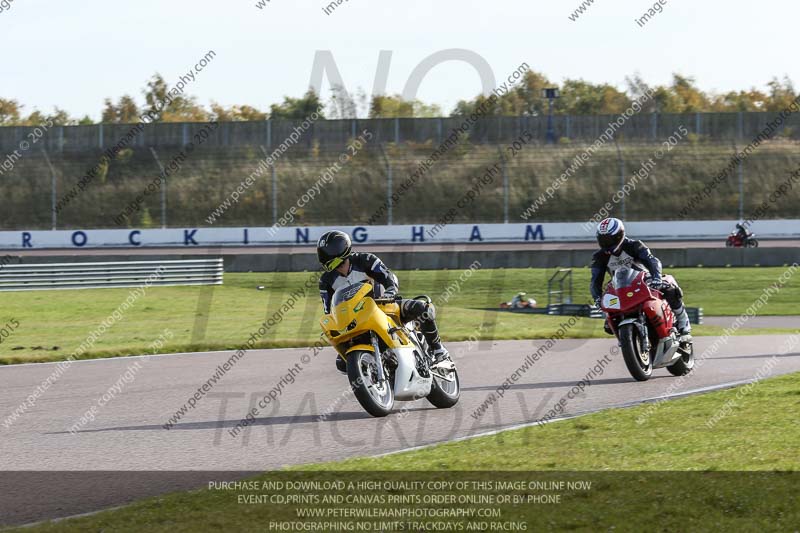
(577, 97)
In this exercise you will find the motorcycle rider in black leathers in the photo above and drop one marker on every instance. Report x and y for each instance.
(617, 251)
(343, 267)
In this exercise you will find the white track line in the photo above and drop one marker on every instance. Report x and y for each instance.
(692, 392)
(144, 356)
(232, 350)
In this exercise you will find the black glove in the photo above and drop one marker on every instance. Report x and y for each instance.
(656, 284)
(390, 295)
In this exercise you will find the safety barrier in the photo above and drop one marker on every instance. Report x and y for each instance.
(590, 311)
(42, 276)
(695, 314)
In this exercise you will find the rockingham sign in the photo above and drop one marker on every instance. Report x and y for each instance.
(531, 233)
(269, 235)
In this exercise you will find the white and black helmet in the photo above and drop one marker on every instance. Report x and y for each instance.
(610, 234)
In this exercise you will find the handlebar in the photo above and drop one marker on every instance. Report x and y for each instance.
(390, 300)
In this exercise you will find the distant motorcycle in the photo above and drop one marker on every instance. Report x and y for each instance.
(643, 322)
(736, 241)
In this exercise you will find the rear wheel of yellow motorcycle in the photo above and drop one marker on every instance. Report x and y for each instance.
(446, 388)
(377, 398)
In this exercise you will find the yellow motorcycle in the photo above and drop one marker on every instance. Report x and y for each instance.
(386, 359)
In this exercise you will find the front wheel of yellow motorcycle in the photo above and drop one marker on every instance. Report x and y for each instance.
(374, 395)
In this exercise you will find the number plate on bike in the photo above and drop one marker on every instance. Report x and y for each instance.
(610, 302)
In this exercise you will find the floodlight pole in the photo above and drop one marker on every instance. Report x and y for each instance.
(551, 94)
(53, 209)
(163, 189)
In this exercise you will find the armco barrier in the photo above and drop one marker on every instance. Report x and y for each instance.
(695, 314)
(93, 275)
(589, 311)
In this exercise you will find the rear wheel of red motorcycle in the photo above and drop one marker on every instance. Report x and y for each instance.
(639, 363)
(685, 364)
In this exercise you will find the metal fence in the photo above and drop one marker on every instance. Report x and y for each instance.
(372, 187)
(106, 275)
(329, 133)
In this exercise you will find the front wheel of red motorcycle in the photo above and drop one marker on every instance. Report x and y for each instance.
(638, 361)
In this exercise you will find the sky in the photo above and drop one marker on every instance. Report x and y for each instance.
(76, 54)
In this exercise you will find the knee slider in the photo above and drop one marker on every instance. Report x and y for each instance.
(430, 312)
(409, 308)
(678, 292)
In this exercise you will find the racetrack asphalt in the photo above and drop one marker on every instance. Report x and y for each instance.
(128, 432)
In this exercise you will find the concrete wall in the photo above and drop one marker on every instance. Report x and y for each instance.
(424, 260)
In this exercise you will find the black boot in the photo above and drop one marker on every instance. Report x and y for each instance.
(341, 364)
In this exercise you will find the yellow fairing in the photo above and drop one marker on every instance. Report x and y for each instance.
(360, 315)
(360, 348)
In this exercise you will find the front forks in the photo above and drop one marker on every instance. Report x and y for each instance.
(378, 359)
(641, 325)
(643, 333)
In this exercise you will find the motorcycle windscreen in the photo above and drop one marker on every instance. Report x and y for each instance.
(346, 293)
(624, 277)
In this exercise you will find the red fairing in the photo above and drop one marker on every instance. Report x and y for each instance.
(630, 297)
(736, 241)
(660, 316)
(636, 296)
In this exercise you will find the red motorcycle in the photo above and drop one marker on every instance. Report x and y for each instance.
(643, 323)
(736, 241)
